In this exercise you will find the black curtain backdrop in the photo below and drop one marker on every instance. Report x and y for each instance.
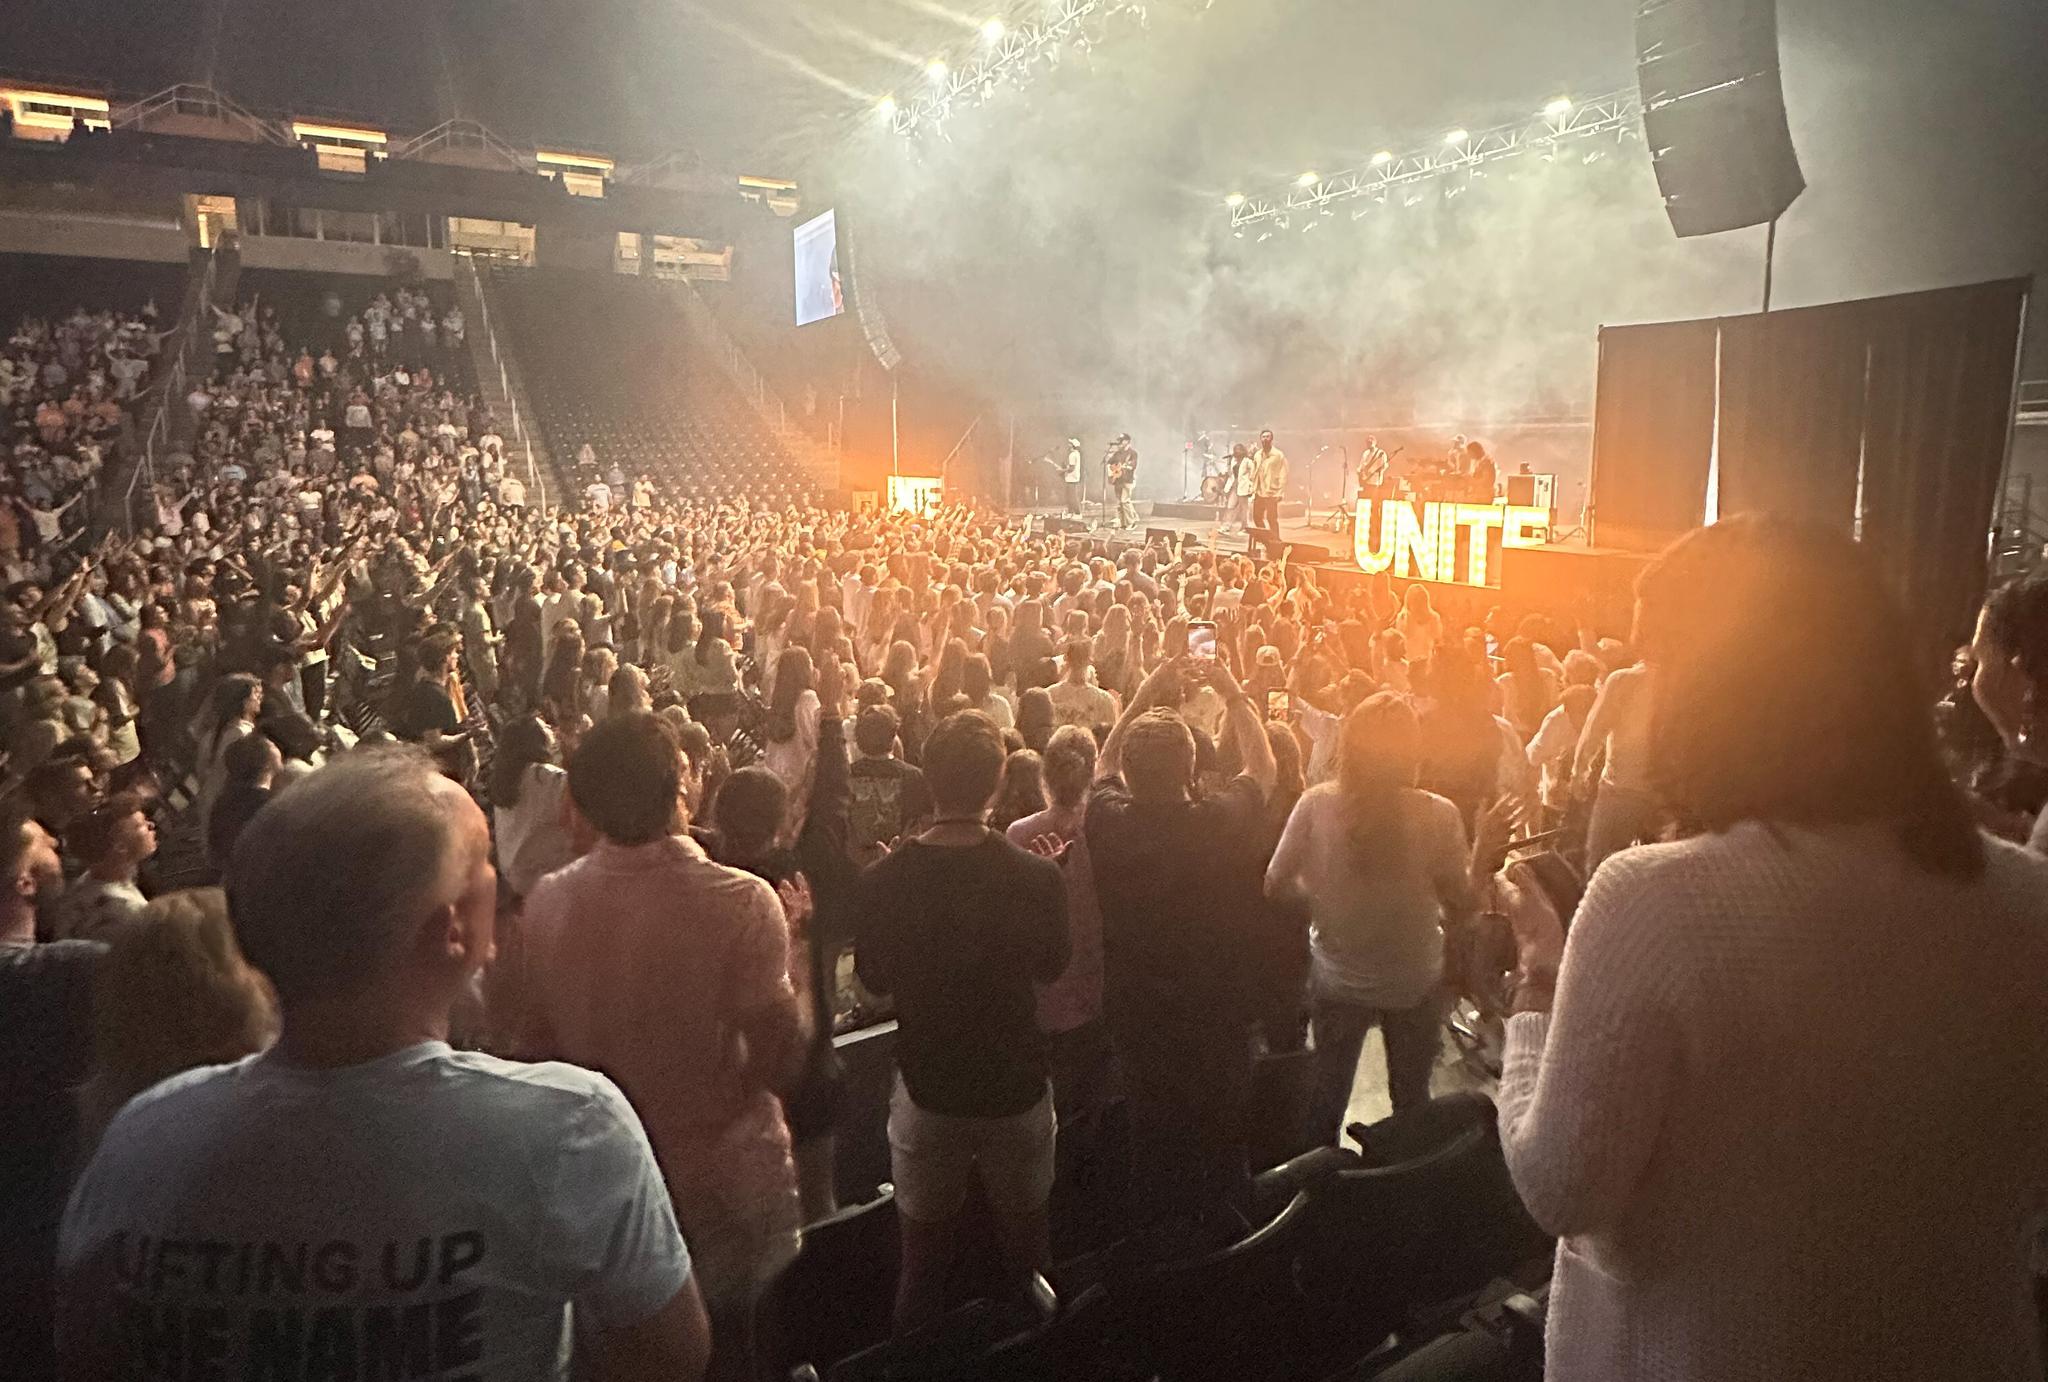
(1791, 435)
(1653, 432)
(1937, 422)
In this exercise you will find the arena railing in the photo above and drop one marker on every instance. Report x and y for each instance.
(170, 388)
(483, 305)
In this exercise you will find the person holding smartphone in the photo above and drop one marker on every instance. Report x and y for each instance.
(1177, 878)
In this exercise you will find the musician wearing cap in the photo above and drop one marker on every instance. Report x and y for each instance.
(1072, 475)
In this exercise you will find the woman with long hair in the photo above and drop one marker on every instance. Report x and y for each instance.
(977, 684)
(1031, 647)
(906, 696)
(1385, 869)
(1420, 626)
(947, 679)
(230, 714)
(527, 784)
(1461, 741)
(1114, 655)
(651, 648)
(626, 693)
(789, 732)
(595, 689)
(714, 674)
(1528, 691)
(561, 685)
(1763, 1092)
(1020, 791)
(172, 992)
(1036, 718)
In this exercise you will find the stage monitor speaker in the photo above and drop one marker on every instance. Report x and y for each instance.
(1532, 491)
(1307, 554)
(1060, 523)
(1714, 112)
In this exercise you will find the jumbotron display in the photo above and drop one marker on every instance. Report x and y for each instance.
(819, 294)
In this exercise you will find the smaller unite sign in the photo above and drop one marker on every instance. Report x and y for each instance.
(1451, 544)
(918, 494)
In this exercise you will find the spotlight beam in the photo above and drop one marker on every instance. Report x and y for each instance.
(1619, 113)
(768, 50)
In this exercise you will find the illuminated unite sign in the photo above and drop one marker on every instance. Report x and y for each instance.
(1455, 544)
(918, 494)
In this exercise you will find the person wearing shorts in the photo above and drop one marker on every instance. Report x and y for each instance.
(961, 926)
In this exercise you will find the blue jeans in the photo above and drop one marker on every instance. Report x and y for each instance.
(1412, 1035)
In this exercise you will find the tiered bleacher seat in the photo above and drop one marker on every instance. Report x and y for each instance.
(610, 361)
(300, 300)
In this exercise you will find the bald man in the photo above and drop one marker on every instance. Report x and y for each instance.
(362, 1193)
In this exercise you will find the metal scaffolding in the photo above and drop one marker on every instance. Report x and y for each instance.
(1008, 55)
(1459, 151)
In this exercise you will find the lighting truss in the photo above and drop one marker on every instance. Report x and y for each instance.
(1619, 113)
(1009, 57)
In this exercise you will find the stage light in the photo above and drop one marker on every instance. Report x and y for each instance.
(1308, 179)
(1382, 158)
(936, 69)
(992, 32)
(1559, 108)
(886, 107)
(1234, 200)
(1457, 137)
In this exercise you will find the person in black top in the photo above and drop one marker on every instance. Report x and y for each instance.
(252, 763)
(45, 1054)
(889, 797)
(1187, 954)
(425, 710)
(959, 925)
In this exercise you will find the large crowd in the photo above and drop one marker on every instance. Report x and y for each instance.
(350, 781)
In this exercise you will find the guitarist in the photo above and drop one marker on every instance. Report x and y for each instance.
(1121, 468)
(1374, 465)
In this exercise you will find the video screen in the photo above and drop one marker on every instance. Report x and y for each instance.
(819, 294)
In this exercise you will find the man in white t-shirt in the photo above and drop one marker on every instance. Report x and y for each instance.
(362, 1197)
(1074, 700)
(597, 496)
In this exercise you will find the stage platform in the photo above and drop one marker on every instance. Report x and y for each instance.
(1559, 578)
(1196, 523)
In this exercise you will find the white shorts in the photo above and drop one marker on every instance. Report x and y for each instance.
(936, 1159)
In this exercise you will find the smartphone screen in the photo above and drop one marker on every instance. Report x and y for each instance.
(1202, 640)
(1279, 706)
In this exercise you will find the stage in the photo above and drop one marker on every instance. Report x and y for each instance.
(1565, 579)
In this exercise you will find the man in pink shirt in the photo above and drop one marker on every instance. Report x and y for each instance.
(670, 973)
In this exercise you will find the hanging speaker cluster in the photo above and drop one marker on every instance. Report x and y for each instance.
(1714, 112)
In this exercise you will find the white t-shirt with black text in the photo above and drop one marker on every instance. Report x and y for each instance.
(430, 1214)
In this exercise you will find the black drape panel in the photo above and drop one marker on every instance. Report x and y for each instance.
(1792, 413)
(1653, 432)
(1938, 422)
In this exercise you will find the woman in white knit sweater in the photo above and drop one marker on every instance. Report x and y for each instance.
(1780, 1095)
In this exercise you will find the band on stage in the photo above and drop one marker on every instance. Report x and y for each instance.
(1246, 484)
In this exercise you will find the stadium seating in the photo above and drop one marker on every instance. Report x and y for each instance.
(609, 361)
